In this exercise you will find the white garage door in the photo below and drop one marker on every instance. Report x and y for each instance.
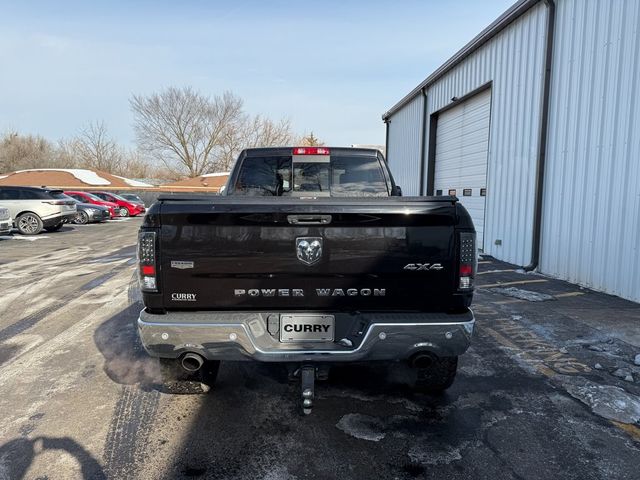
(462, 148)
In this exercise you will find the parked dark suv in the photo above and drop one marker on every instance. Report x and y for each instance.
(34, 209)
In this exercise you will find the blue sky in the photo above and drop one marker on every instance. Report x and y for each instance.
(332, 67)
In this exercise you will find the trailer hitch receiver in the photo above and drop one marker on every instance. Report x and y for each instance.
(307, 381)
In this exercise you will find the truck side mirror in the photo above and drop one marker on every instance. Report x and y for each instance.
(396, 191)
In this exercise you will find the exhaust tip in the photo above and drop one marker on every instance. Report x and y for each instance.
(422, 360)
(192, 362)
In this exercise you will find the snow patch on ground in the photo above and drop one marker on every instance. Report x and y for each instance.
(362, 426)
(471, 400)
(434, 454)
(406, 403)
(523, 294)
(474, 365)
(133, 183)
(20, 237)
(278, 473)
(86, 176)
(613, 403)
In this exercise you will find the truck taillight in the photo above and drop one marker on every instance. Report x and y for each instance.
(311, 151)
(468, 260)
(147, 261)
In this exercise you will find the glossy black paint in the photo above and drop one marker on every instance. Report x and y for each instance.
(249, 243)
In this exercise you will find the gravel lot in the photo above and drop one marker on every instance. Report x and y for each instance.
(548, 390)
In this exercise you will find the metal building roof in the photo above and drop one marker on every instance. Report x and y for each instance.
(517, 9)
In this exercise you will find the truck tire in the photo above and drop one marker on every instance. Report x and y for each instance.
(177, 380)
(438, 376)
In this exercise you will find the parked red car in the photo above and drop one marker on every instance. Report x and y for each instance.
(86, 197)
(125, 207)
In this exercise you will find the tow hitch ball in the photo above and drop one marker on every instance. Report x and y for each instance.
(308, 374)
(307, 381)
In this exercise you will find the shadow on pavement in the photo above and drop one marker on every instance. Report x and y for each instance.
(7, 352)
(16, 456)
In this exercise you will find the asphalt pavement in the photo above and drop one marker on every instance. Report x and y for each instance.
(548, 390)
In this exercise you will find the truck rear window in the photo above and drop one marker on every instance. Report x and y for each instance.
(336, 176)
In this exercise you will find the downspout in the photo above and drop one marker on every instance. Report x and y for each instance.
(386, 139)
(423, 141)
(542, 143)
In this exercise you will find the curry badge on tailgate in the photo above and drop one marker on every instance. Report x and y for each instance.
(183, 297)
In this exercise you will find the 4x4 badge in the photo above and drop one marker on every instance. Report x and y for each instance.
(309, 249)
(423, 266)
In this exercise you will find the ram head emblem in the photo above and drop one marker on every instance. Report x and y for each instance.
(309, 249)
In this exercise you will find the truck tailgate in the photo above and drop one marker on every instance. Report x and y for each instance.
(250, 254)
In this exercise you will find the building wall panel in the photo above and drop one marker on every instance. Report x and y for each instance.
(404, 149)
(591, 216)
(513, 61)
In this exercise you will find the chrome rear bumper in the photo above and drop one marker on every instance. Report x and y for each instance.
(244, 336)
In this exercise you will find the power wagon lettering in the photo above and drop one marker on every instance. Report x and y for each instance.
(320, 292)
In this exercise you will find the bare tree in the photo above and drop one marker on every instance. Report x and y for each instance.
(162, 173)
(310, 141)
(92, 149)
(18, 152)
(185, 129)
(67, 154)
(95, 149)
(253, 132)
(134, 165)
(264, 132)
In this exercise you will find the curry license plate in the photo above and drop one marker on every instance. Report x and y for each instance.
(307, 328)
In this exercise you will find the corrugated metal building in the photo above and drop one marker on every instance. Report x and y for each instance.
(535, 126)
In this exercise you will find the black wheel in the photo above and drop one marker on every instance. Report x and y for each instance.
(55, 228)
(123, 212)
(438, 376)
(29, 224)
(81, 218)
(177, 380)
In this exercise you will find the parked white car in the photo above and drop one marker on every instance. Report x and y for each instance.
(6, 222)
(34, 209)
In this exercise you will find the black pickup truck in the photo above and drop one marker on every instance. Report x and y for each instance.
(310, 257)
